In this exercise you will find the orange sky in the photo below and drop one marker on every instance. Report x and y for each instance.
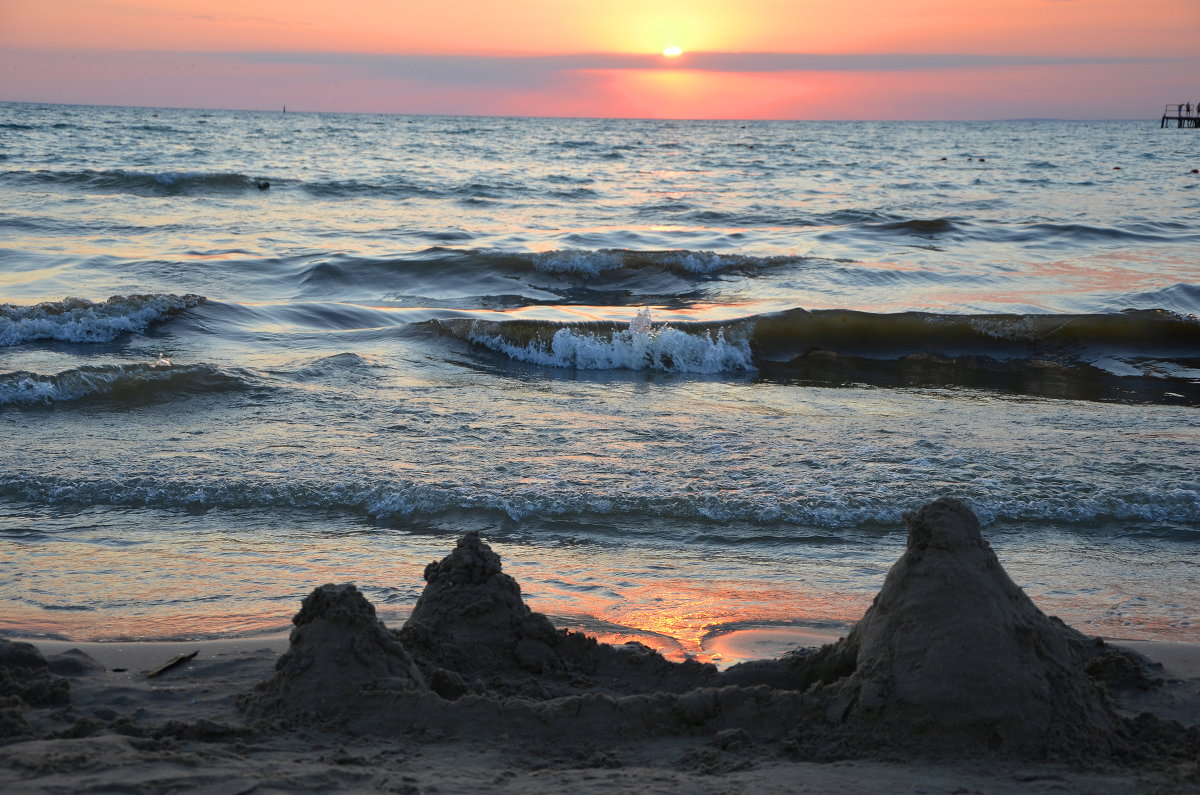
(943, 59)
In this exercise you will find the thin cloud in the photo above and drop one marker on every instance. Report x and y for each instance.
(224, 19)
(485, 70)
(896, 62)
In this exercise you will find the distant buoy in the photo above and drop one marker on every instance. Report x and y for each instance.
(1196, 170)
(983, 160)
(943, 158)
(1116, 168)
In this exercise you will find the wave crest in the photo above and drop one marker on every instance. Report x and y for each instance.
(642, 346)
(129, 384)
(593, 263)
(1007, 336)
(81, 320)
(141, 183)
(1129, 356)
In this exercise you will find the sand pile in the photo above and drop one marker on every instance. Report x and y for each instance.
(471, 630)
(471, 651)
(25, 681)
(471, 620)
(339, 653)
(952, 655)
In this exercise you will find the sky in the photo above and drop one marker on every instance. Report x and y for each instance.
(742, 59)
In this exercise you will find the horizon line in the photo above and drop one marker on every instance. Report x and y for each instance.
(283, 106)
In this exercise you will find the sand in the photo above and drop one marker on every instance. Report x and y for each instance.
(953, 681)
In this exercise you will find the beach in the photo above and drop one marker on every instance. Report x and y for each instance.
(345, 708)
(332, 761)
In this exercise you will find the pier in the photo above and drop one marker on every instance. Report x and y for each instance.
(1185, 115)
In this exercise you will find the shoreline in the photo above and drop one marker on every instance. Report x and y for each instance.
(952, 681)
(1179, 659)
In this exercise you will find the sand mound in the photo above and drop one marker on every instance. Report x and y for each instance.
(339, 653)
(471, 630)
(471, 619)
(952, 655)
(471, 639)
(25, 674)
(25, 681)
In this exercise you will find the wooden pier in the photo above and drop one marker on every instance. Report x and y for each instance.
(1185, 115)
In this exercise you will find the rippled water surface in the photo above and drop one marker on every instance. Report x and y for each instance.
(686, 376)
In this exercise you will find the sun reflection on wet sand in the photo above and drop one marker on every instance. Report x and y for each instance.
(106, 584)
(194, 579)
(760, 643)
(687, 611)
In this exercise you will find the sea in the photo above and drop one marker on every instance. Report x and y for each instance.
(686, 377)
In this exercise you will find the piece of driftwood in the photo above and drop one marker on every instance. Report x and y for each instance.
(171, 663)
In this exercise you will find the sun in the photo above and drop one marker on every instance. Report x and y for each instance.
(672, 52)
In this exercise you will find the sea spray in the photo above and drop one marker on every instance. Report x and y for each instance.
(642, 346)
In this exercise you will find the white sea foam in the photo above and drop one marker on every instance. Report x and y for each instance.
(663, 349)
(1177, 504)
(81, 320)
(29, 389)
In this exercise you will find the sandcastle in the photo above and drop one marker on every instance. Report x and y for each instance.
(471, 624)
(952, 656)
(338, 653)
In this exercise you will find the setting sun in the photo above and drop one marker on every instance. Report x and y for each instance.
(672, 52)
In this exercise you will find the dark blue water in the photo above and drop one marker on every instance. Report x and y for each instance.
(685, 375)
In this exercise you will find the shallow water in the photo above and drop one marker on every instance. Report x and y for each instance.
(687, 377)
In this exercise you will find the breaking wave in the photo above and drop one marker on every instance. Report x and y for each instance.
(81, 320)
(642, 346)
(1130, 356)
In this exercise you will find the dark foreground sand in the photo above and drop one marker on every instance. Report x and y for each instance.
(952, 682)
